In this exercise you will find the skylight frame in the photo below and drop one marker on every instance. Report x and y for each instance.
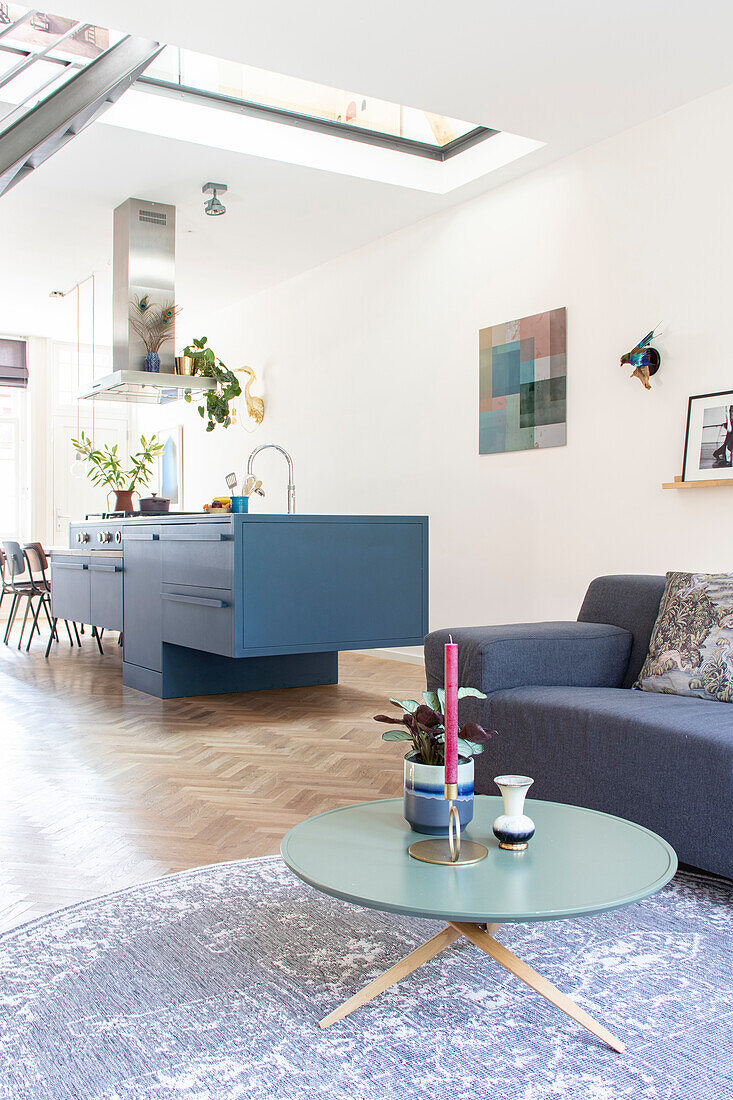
(302, 121)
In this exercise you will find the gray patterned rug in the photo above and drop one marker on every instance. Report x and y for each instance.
(208, 985)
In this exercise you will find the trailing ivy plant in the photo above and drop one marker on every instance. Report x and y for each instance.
(424, 725)
(207, 364)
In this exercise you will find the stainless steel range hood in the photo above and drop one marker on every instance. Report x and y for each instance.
(144, 257)
(136, 385)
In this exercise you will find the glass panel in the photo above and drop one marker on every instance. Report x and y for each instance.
(39, 79)
(288, 93)
(42, 28)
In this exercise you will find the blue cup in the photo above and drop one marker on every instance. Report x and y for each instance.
(240, 504)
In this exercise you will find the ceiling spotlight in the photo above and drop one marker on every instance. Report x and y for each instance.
(213, 206)
(57, 294)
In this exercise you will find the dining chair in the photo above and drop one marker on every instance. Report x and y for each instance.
(38, 568)
(21, 585)
(5, 589)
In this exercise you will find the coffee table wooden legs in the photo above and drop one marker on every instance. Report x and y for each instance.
(395, 974)
(486, 942)
(535, 981)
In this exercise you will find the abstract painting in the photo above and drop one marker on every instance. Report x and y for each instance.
(522, 384)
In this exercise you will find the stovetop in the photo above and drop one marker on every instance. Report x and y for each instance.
(129, 515)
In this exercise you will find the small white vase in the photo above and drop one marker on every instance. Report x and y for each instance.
(513, 829)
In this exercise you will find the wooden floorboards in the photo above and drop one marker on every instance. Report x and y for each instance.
(102, 787)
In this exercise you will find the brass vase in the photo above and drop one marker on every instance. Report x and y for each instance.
(185, 365)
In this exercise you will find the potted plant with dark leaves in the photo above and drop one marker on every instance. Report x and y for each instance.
(423, 726)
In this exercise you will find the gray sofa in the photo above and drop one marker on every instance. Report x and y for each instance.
(559, 696)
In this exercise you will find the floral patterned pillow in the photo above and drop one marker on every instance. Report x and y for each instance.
(691, 647)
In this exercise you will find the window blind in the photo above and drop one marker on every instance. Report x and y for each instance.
(13, 365)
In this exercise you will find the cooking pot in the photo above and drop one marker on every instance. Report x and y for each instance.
(154, 505)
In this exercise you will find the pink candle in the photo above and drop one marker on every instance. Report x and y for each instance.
(451, 713)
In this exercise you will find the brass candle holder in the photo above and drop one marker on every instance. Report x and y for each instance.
(450, 852)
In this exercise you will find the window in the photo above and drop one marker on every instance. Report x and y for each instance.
(70, 377)
(13, 484)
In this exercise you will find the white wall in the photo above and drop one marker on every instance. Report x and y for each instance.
(371, 372)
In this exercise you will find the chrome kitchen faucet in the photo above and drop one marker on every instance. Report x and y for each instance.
(291, 477)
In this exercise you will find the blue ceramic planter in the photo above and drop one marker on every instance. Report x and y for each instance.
(152, 362)
(425, 804)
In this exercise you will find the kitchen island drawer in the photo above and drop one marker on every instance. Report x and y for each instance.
(199, 555)
(199, 618)
(105, 580)
(70, 591)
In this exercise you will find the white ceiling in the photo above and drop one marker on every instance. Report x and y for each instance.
(549, 70)
(568, 73)
(56, 226)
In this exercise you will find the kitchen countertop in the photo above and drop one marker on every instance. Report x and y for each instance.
(84, 552)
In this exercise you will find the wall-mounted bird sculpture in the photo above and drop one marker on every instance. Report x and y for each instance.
(255, 405)
(644, 359)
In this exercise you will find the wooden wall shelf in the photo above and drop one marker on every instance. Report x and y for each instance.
(678, 483)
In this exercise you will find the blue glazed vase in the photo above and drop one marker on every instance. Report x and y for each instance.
(425, 804)
(152, 362)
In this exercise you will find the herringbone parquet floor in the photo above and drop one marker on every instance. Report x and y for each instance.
(102, 787)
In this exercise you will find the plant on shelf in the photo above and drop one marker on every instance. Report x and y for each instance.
(424, 725)
(105, 467)
(154, 324)
(207, 364)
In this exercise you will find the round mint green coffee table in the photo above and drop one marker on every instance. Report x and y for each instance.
(580, 862)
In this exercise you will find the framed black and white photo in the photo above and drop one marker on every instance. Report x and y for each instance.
(709, 437)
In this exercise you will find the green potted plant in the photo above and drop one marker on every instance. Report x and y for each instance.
(105, 467)
(423, 725)
(207, 364)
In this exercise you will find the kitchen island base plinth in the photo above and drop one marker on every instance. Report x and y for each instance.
(189, 672)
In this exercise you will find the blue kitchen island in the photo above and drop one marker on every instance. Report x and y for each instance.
(247, 602)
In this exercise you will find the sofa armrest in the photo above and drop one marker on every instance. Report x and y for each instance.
(494, 658)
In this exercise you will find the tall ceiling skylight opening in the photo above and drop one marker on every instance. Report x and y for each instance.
(224, 104)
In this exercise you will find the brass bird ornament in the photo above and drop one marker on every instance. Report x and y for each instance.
(644, 359)
(255, 405)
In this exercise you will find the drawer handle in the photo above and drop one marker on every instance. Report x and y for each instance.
(97, 568)
(201, 601)
(197, 538)
(147, 537)
(70, 565)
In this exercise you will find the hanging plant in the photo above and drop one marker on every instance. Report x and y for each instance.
(206, 363)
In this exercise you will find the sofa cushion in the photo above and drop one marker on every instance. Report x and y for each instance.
(691, 647)
(663, 761)
(492, 658)
(629, 601)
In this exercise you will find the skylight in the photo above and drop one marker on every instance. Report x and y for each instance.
(297, 102)
(222, 104)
